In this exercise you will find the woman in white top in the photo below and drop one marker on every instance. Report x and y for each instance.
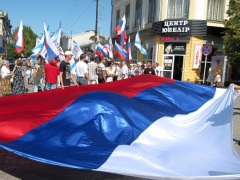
(217, 78)
(6, 76)
(110, 71)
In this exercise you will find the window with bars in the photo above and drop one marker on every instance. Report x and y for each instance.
(127, 15)
(138, 13)
(117, 17)
(178, 9)
(152, 11)
(215, 10)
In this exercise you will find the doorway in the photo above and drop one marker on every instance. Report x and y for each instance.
(173, 66)
(178, 67)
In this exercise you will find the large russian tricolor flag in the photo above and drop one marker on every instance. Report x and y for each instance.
(19, 38)
(145, 126)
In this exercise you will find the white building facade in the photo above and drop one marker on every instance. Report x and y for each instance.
(5, 31)
(83, 40)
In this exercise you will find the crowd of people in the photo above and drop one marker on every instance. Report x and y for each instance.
(39, 75)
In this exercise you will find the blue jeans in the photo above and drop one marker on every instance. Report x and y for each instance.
(81, 80)
(50, 86)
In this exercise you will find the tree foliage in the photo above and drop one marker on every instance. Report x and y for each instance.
(232, 34)
(29, 43)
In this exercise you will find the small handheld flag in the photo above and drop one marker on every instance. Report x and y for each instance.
(120, 52)
(123, 38)
(19, 45)
(121, 26)
(110, 48)
(129, 57)
(52, 51)
(138, 44)
(101, 51)
(76, 50)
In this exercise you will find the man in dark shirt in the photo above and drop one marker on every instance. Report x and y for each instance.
(149, 69)
(65, 71)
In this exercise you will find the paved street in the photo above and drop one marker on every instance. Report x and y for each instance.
(13, 167)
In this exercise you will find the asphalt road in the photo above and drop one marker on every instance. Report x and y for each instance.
(13, 167)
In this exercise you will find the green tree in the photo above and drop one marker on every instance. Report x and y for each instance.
(29, 43)
(232, 34)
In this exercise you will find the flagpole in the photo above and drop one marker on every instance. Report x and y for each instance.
(96, 25)
(137, 56)
(137, 48)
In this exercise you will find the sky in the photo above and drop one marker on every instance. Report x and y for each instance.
(76, 16)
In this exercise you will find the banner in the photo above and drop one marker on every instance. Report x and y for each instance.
(197, 58)
(217, 64)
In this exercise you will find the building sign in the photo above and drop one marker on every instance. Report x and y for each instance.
(174, 48)
(182, 27)
(207, 49)
(175, 38)
(197, 56)
(167, 64)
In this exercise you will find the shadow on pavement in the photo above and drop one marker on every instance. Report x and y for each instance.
(23, 168)
(236, 141)
(236, 113)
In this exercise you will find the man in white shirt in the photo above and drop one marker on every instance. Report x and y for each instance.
(158, 69)
(91, 70)
(124, 70)
(82, 71)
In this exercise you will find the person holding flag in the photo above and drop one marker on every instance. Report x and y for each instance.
(149, 69)
(65, 71)
(51, 72)
(82, 71)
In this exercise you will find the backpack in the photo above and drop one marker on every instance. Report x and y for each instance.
(98, 71)
(39, 72)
